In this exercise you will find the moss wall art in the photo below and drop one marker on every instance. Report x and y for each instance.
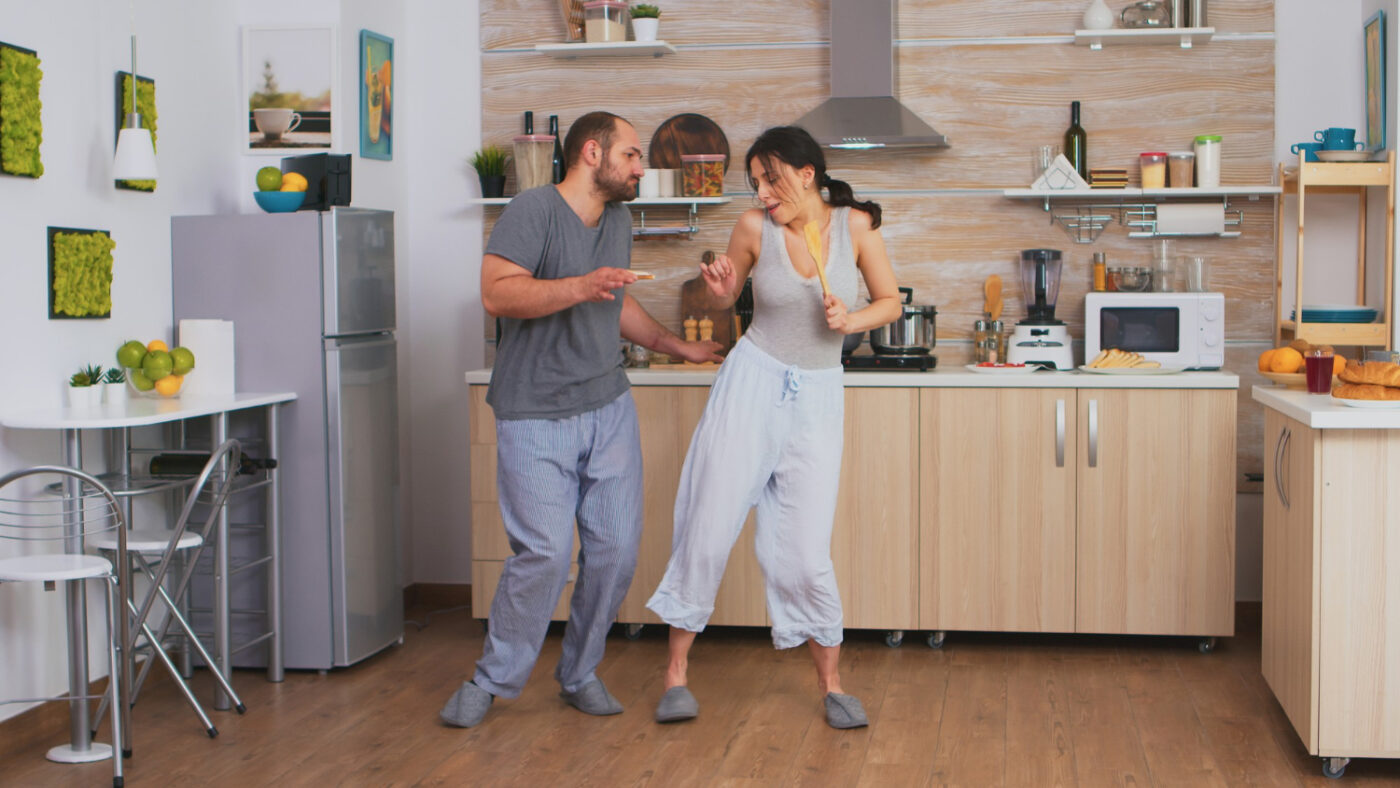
(146, 106)
(80, 273)
(21, 123)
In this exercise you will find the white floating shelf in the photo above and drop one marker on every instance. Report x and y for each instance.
(1185, 37)
(1088, 194)
(647, 201)
(608, 49)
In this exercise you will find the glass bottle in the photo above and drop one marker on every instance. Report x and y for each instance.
(1100, 273)
(558, 162)
(1075, 148)
(529, 122)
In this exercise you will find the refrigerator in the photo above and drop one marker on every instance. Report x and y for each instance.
(311, 296)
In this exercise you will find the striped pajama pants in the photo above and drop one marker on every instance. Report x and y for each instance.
(771, 436)
(550, 474)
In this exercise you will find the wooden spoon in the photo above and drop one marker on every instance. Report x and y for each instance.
(992, 289)
(813, 234)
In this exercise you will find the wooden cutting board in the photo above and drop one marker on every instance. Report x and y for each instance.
(698, 302)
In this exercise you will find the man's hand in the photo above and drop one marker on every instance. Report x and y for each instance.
(698, 352)
(599, 284)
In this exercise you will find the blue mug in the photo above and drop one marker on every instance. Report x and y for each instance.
(1338, 139)
(1308, 149)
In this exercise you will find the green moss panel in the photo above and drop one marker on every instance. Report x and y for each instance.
(82, 274)
(21, 124)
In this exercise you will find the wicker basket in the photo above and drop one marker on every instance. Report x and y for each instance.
(572, 11)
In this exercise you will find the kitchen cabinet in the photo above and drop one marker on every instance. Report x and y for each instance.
(1155, 547)
(1331, 608)
(998, 509)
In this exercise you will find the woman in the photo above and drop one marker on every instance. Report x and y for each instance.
(772, 429)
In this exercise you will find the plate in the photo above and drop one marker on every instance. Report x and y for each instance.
(1377, 404)
(683, 134)
(1344, 155)
(1028, 368)
(1293, 380)
(1132, 370)
(1335, 313)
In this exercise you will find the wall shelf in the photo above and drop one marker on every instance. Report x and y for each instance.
(691, 227)
(1185, 37)
(608, 49)
(643, 201)
(1094, 209)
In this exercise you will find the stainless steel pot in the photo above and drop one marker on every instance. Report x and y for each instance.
(913, 334)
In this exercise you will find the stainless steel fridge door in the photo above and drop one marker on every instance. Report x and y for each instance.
(363, 442)
(357, 275)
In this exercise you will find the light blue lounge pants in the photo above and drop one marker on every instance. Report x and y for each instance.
(551, 473)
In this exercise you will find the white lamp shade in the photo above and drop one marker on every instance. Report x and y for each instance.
(136, 156)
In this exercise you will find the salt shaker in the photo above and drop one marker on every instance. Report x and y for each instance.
(690, 324)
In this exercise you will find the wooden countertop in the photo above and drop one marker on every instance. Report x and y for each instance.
(958, 377)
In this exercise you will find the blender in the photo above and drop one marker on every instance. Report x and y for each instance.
(1040, 339)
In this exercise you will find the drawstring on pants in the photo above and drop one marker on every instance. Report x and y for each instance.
(792, 383)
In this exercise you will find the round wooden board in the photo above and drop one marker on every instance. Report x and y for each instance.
(683, 134)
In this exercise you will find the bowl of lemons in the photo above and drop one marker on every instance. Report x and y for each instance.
(154, 369)
(280, 192)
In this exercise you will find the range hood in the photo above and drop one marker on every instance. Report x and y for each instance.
(862, 111)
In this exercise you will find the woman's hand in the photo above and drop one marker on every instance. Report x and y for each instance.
(719, 275)
(836, 315)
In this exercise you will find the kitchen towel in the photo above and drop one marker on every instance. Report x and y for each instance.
(1191, 218)
(211, 341)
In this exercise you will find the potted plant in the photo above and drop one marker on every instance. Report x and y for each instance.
(114, 386)
(83, 388)
(490, 165)
(645, 19)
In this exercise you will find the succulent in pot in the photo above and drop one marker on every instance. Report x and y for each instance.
(646, 18)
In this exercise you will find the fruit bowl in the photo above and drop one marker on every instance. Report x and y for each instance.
(1292, 380)
(153, 393)
(279, 202)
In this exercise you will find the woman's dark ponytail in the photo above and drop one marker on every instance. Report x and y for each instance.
(795, 147)
(839, 193)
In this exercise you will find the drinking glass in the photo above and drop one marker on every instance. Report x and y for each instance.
(1319, 371)
(1042, 156)
(1197, 274)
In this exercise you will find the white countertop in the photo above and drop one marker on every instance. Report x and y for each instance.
(958, 377)
(135, 412)
(1323, 412)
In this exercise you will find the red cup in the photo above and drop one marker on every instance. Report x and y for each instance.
(1319, 372)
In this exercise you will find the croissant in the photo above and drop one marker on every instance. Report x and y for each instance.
(1382, 373)
(1369, 391)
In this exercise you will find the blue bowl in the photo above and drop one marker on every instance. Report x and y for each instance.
(279, 202)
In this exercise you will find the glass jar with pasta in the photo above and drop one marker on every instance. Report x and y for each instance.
(702, 175)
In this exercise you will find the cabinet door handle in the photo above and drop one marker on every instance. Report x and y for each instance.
(1093, 433)
(1283, 454)
(1059, 433)
(1278, 458)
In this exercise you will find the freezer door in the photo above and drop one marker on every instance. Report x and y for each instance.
(358, 271)
(363, 431)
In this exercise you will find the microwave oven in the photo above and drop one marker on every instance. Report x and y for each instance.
(1177, 329)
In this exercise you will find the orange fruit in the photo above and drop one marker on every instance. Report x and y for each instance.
(1264, 359)
(1339, 363)
(156, 344)
(169, 385)
(1286, 360)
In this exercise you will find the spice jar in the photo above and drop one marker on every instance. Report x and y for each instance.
(979, 341)
(702, 175)
(1100, 273)
(1110, 284)
(1181, 167)
(604, 20)
(1208, 161)
(1153, 166)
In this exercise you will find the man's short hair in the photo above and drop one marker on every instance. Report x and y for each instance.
(597, 126)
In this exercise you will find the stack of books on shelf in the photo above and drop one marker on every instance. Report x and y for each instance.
(1108, 177)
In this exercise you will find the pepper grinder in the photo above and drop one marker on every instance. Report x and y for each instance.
(707, 329)
(690, 325)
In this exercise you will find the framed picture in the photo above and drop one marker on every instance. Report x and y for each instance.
(146, 106)
(288, 76)
(377, 96)
(1375, 81)
(80, 273)
(21, 124)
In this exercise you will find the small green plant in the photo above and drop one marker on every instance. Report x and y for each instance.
(645, 11)
(114, 375)
(491, 160)
(90, 375)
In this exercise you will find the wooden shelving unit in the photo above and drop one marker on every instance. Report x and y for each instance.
(1336, 178)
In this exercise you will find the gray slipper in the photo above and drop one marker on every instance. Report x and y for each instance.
(677, 705)
(844, 711)
(593, 698)
(467, 706)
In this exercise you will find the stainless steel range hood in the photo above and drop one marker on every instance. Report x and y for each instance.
(862, 111)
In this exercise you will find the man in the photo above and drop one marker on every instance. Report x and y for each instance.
(568, 446)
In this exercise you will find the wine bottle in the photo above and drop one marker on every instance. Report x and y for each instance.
(529, 122)
(1076, 144)
(558, 164)
(192, 464)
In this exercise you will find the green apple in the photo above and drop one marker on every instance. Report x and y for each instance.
(130, 354)
(182, 359)
(157, 364)
(269, 179)
(140, 381)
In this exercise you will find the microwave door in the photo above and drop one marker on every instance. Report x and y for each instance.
(1141, 329)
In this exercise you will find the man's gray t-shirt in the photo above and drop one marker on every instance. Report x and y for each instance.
(567, 363)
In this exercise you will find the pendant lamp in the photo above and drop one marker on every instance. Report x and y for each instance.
(136, 151)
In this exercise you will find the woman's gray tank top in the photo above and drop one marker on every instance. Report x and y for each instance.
(789, 319)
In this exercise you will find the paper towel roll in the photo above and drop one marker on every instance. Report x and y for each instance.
(211, 341)
(1191, 218)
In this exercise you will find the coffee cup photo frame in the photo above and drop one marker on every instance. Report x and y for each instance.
(1375, 54)
(288, 98)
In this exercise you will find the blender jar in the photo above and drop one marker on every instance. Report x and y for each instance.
(534, 160)
(1040, 283)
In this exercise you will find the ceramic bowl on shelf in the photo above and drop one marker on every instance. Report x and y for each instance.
(279, 202)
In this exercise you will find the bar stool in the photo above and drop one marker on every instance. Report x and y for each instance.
(153, 552)
(87, 508)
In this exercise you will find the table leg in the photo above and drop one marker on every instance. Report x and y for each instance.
(273, 535)
(222, 646)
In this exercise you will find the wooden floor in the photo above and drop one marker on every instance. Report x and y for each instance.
(985, 710)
